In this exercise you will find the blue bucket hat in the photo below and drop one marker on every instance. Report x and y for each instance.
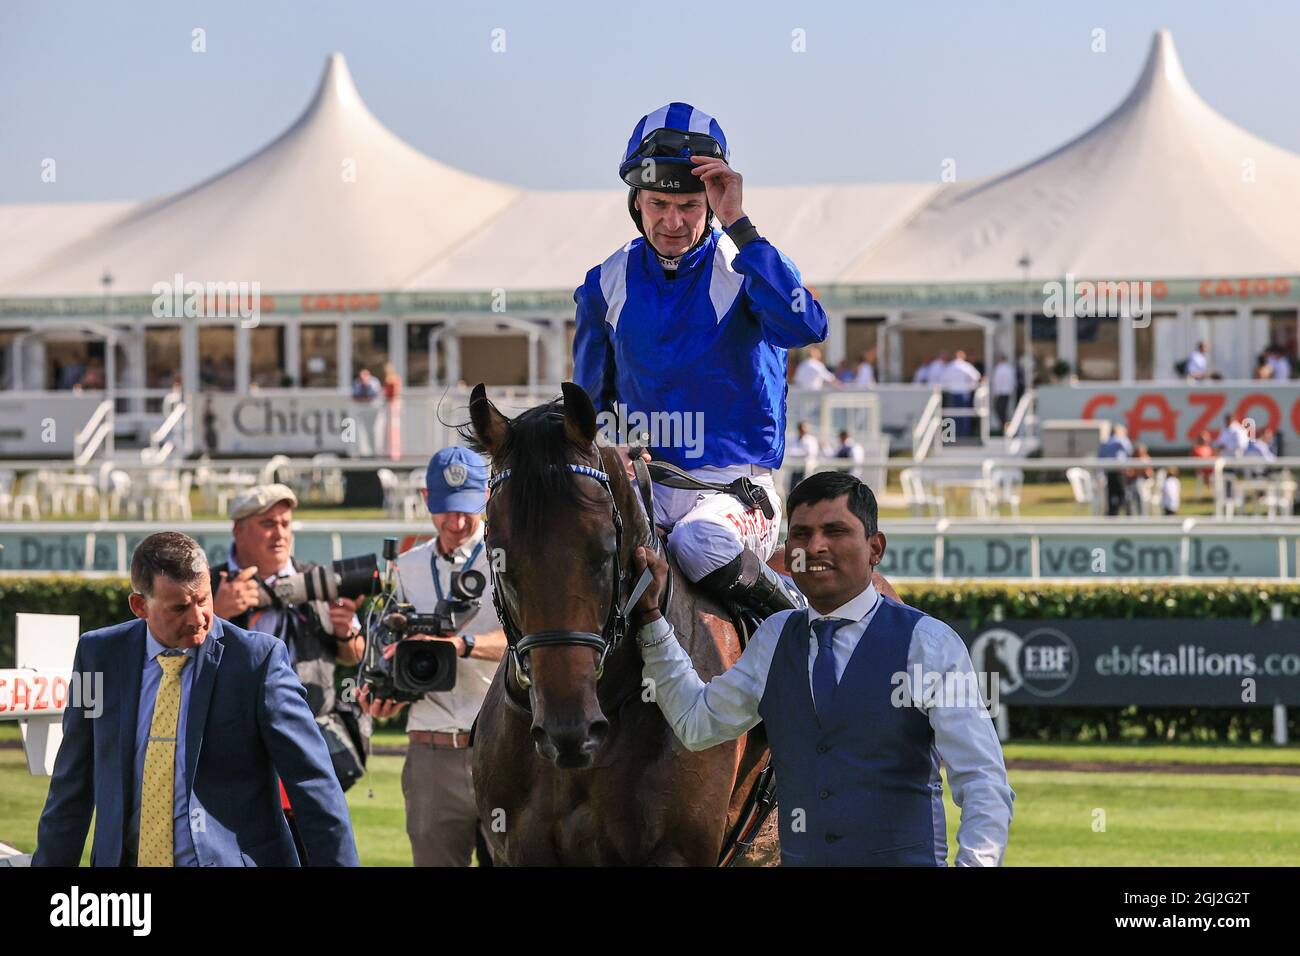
(456, 481)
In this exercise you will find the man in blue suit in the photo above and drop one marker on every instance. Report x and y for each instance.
(863, 698)
(199, 720)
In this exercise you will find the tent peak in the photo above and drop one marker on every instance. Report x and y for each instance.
(336, 87)
(1163, 69)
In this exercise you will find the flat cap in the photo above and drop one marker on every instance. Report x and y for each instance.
(259, 498)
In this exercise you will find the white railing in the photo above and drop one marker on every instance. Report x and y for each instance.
(97, 433)
(329, 540)
(924, 431)
(160, 438)
(1011, 434)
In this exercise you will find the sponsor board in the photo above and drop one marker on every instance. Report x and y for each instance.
(1193, 662)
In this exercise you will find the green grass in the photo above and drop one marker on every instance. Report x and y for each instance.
(1155, 753)
(1037, 500)
(1055, 500)
(1151, 819)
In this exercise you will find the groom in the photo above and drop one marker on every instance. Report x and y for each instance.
(855, 743)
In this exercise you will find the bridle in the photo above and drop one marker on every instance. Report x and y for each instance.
(616, 622)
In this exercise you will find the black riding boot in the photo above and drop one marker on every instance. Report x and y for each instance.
(749, 584)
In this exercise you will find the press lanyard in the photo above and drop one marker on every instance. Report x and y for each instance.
(433, 564)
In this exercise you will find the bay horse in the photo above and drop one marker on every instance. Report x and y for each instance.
(573, 762)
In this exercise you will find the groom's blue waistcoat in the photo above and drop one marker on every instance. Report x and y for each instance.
(861, 789)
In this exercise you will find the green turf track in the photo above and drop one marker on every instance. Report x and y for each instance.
(1151, 819)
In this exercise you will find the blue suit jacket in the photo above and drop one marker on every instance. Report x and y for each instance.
(248, 723)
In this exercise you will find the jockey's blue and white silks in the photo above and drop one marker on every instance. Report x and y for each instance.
(711, 341)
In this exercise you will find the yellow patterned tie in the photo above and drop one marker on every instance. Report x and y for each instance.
(157, 790)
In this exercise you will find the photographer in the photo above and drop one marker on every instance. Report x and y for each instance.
(319, 635)
(441, 814)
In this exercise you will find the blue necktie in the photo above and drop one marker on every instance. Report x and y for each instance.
(823, 675)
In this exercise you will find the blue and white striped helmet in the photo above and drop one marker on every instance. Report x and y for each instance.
(658, 155)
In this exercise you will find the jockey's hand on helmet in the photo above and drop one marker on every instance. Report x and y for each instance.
(646, 610)
(722, 187)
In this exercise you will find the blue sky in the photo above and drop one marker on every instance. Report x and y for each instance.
(884, 91)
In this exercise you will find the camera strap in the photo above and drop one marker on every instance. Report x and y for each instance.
(433, 564)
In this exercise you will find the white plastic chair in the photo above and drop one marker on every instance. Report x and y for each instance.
(917, 493)
(1007, 485)
(392, 492)
(1081, 485)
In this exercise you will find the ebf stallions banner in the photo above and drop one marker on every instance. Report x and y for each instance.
(1207, 663)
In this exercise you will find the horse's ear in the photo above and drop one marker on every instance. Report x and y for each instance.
(579, 414)
(490, 426)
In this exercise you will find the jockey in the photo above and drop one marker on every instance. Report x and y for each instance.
(689, 326)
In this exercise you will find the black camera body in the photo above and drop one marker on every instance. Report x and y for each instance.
(416, 668)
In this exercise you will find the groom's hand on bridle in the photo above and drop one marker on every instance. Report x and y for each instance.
(646, 610)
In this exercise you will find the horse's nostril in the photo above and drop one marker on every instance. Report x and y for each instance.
(598, 730)
(538, 734)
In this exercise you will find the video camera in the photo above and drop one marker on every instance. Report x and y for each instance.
(351, 578)
(415, 668)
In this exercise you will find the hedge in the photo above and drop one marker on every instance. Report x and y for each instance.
(102, 601)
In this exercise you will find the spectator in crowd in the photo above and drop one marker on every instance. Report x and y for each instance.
(393, 410)
(1262, 445)
(934, 373)
(850, 450)
(1136, 482)
(922, 374)
(1119, 448)
(1204, 449)
(959, 381)
(806, 447)
(1171, 492)
(1232, 439)
(812, 371)
(1280, 363)
(844, 372)
(865, 374)
(437, 782)
(1198, 363)
(318, 635)
(1263, 367)
(1003, 388)
(92, 380)
(364, 386)
(365, 391)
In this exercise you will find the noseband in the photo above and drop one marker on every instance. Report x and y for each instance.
(616, 623)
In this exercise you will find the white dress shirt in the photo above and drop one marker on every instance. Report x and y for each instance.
(705, 715)
(1004, 379)
(866, 375)
(1281, 367)
(934, 372)
(812, 373)
(960, 377)
(1197, 364)
(1233, 439)
(450, 711)
(809, 446)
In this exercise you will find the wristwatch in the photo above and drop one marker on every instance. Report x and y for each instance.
(469, 644)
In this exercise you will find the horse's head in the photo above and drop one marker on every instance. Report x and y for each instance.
(562, 523)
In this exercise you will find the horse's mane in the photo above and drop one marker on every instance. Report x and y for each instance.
(537, 452)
